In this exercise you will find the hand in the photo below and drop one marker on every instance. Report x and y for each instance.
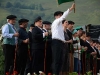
(46, 33)
(71, 41)
(98, 58)
(93, 53)
(26, 41)
(72, 7)
(16, 34)
(85, 48)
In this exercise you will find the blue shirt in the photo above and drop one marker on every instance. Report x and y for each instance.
(5, 31)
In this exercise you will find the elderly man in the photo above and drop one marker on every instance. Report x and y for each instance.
(9, 43)
(38, 45)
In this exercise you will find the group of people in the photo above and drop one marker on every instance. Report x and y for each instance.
(48, 48)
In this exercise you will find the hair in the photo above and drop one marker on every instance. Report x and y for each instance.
(71, 22)
(32, 25)
(7, 20)
(63, 21)
(58, 13)
(83, 32)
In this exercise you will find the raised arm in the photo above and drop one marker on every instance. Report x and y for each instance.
(72, 7)
(67, 12)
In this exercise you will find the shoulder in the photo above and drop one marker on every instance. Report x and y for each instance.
(5, 26)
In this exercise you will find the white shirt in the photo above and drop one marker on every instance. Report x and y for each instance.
(5, 31)
(77, 52)
(57, 28)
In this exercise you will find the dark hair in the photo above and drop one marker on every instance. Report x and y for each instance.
(83, 32)
(87, 35)
(58, 13)
(32, 25)
(71, 22)
(63, 21)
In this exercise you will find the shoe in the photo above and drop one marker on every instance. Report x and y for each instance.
(15, 73)
(28, 74)
(49, 73)
(41, 73)
(7, 73)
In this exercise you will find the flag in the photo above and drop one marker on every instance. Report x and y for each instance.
(63, 1)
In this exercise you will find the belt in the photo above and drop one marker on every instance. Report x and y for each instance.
(58, 40)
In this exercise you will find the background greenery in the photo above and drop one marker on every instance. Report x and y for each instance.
(87, 12)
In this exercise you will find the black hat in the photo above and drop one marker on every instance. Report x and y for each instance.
(32, 25)
(37, 19)
(58, 13)
(46, 22)
(23, 20)
(11, 17)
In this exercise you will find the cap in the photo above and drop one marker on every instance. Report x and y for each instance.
(79, 28)
(37, 19)
(11, 17)
(32, 25)
(23, 20)
(46, 22)
(74, 31)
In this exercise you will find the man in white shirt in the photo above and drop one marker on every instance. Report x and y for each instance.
(58, 39)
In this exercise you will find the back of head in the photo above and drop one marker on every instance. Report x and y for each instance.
(71, 22)
(58, 13)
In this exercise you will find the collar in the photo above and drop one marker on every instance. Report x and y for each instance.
(11, 25)
(45, 29)
(87, 41)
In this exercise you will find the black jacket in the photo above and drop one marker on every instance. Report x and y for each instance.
(38, 41)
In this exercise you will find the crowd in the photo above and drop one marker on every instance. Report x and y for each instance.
(48, 48)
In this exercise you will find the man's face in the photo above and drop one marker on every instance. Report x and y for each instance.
(88, 38)
(12, 21)
(48, 27)
(25, 24)
(79, 32)
(70, 26)
(39, 23)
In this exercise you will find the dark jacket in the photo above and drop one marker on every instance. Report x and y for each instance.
(38, 41)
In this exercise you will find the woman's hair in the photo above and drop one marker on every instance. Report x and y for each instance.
(63, 21)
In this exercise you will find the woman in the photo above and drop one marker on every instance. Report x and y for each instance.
(65, 64)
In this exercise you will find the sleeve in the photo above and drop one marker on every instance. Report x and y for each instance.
(5, 32)
(63, 16)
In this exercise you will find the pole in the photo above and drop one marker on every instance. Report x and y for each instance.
(45, 56)
(74, 8)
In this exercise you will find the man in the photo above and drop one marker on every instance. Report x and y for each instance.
(28, 69)
(9, 43)
(70, 45)
(38, 46)
(48, 51)
(58, 39)
(22, 51)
